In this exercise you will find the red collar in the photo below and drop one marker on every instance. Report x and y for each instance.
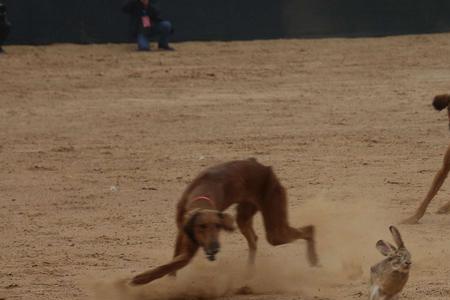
(204, 198)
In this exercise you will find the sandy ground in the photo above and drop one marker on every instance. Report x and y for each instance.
(98, 142)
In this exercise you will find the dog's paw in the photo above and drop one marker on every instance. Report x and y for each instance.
(410, 221)
(245, 290)
(138, 280)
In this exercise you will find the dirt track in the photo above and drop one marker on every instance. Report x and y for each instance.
(98, 142)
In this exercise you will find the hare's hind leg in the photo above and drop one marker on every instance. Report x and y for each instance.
(374, 292)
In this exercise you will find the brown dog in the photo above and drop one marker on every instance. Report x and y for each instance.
(247, 183)
(440, 102)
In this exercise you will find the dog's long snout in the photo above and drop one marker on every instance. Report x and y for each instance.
(212, 249)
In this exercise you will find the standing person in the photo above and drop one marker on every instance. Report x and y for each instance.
(148, 23)
(4, 26)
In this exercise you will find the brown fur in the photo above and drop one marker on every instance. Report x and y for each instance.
(247, 183)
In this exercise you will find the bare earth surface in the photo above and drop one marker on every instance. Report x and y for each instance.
(98, 142)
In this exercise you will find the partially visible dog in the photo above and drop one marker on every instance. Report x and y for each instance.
(247, 183)
(388, 277)
(440, 102)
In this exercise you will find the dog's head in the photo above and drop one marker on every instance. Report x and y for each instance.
(203, 227)
(442, 101)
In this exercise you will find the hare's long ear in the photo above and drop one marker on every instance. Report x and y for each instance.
(385, 248)
(397, 237)
(441, 101)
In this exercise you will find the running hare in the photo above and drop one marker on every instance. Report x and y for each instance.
(388, 277)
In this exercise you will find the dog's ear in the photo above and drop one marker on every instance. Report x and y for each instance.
(441, 101)
(188, 226)
(227, 221)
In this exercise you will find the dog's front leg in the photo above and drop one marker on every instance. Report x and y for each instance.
(176, 264)
(180, 261)
(178, 245)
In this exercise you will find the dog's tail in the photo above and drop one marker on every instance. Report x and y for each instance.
(441, 101)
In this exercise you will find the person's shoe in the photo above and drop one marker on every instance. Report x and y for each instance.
(143, 49)
(166, 48)
(2, 51)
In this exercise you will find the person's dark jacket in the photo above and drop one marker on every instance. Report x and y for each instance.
(135, 9)
(4, 24)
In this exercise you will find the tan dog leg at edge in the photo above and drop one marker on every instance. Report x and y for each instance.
(438, 180)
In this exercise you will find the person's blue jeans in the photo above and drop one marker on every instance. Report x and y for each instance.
(161, 29)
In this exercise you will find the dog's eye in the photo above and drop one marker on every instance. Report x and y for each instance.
(218, 226)
(203, 226)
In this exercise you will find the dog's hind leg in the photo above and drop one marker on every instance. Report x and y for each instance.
(278, 230)
(244, 219)
(286, 234)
